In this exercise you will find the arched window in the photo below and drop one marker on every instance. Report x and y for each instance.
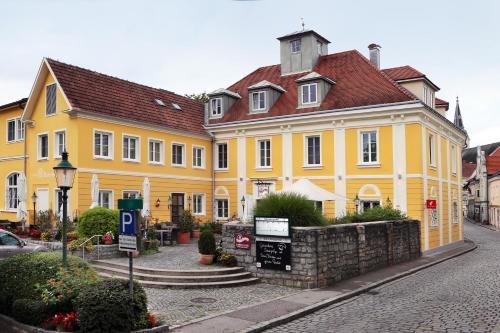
(11, 191)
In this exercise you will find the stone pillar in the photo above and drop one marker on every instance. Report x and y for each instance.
(361, 248)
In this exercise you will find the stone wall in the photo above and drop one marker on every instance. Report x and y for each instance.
(101, 251)
(322, 256)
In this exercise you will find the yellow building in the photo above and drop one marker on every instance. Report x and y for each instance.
(334, 119)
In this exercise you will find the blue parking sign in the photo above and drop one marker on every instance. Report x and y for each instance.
(127, 222)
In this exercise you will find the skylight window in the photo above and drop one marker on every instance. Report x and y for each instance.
(176, 106)
(159, 102)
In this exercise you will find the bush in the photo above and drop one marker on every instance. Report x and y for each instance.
(20, 274)
(29, 311)
(98, 221)
(374, 214)
(215, 227)
(74, 245)
(70, 229)
(46, 236)
(106, 307)
(187, 222)
(300, 211)
(44, 220)
(228, 260)
(206, 243)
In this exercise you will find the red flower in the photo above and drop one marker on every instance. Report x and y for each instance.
(152, 320)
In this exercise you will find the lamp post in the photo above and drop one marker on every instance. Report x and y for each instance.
(243, 205)
(357, 202)
(65, 175)
(33, 199)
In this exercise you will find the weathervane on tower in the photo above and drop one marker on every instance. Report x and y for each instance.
(303, 24)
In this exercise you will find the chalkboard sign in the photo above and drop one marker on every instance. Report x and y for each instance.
(274, 253)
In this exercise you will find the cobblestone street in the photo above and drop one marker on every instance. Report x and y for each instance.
(459, 295)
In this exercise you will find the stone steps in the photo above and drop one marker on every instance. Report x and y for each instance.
(188, 279)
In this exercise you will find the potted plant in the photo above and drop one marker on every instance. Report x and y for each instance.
(185, 228)
(206, 247)
(107, 238)
(195, 233)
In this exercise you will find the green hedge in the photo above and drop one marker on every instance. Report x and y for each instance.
(300, 211)
(29, 311)
(21, 274)
(98, 221)
(106, 307)
(370, 215)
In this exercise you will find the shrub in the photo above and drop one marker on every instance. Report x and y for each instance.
(29, 311)
(98, 221)
(106, 307)
(72, 235)
(228, 260)
(187, 221)
(70, 229)
(215, 227)
(75, 244)
(44, 220)
(300, 211)
(374, 214)
(206, 243)
(20, 274)
(46, 236)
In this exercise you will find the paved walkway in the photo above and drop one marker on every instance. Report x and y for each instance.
(459, 295)
(255, 318)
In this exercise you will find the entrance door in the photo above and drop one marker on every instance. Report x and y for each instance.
(177, 207)
(42, 204)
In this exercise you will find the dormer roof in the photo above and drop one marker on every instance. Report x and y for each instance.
(297, 34)
(266, 84)
(222, 91)
(407, 74)
(314, 76)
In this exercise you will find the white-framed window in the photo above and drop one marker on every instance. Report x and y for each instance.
(178, 154)
(369, 204)
(43, 146)
(58, 201)
(15, 130)
(258, 101)
(103, 144)
(454, 159)
(432, 153)
(11, 195)
(312, 150)
(264, 153)
(309, 93)
(106, 199)
(320, 46)
(198, 203)
(131, 148)
(216, 106)
(131, 194)
(198, 157)
(156, 151)
(429, 97)
(221, 153)
(295, 45)
(222, 206)
(50, 99)
(59, 143)
(369, 147)
(455, 212)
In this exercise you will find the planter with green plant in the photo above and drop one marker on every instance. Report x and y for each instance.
(206, 247)
(195, 233)
(185, 227)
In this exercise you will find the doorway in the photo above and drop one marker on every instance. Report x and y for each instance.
(177, 208)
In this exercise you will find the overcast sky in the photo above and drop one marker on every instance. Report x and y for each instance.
(195, 46)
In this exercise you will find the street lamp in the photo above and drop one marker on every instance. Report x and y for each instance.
(243, 205)
(33, 199)
(357, 202)
(65, 175)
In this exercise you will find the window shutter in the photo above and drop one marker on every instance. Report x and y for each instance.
(50, 103)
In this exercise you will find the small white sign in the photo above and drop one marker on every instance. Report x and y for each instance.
(272, 226)
(127, 243)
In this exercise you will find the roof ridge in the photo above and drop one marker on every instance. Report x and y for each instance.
(402, 89)
(118, 78)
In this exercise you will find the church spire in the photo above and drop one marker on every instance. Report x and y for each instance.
(458, 117)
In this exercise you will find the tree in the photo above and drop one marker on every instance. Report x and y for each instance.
(202, 97)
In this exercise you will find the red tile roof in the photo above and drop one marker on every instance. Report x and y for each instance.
(442, 103)
(492, 164)
(467, 168)
(403, 73)
(110, 96)
(358, 83)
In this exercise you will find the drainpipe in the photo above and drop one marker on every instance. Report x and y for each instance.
(213, 175)
(25, 168)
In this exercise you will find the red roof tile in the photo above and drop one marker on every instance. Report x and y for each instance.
(358, 83)
(98, 93)
(492, 164)
(402, 73)
(467, 168)
(442, 103)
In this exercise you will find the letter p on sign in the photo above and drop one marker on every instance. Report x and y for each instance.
(127, 222)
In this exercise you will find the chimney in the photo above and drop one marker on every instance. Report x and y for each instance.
(375, 54)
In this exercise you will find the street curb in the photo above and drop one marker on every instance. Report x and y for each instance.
(312, 308)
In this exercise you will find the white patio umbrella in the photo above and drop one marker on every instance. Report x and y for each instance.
(310, 190)
(21, 212)
(94, 192)
(146, 188)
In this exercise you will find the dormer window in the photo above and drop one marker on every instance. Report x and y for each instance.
(295, 44)
(320, 45)
(216, 106)
(310, 93)
(259, 101)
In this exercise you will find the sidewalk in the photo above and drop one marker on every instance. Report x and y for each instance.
(257, 318)
(487, 226)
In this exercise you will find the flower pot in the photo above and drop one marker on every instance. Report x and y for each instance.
(108, 242)
(206, 259)
(195, 233)
(183, 237)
